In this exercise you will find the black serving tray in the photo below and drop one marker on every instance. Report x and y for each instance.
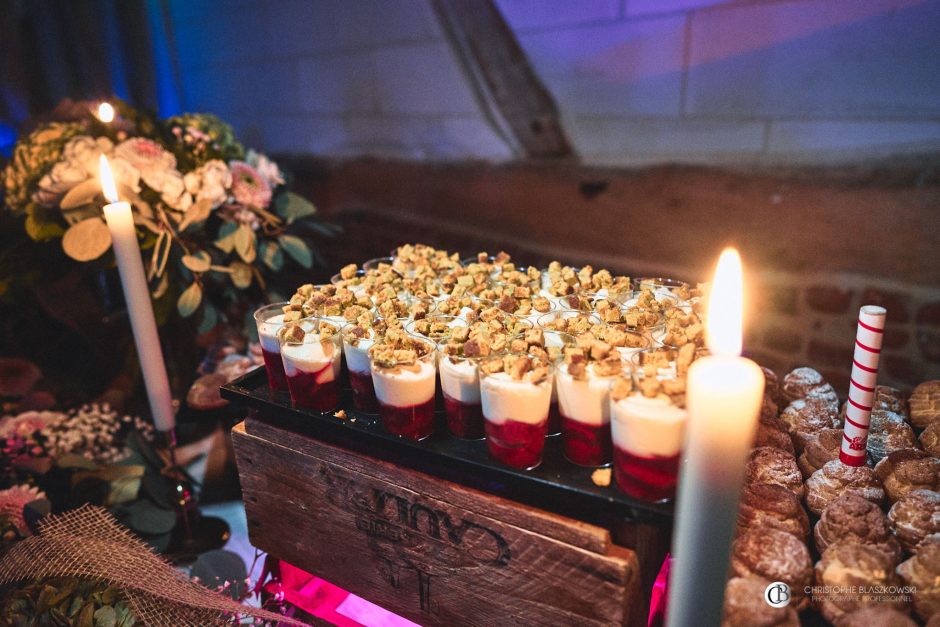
(556, 485)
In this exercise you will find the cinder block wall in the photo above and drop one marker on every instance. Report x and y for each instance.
(739, 82)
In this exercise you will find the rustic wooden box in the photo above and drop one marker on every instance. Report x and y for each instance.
(431, 550)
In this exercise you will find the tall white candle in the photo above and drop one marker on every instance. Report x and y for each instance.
(120, 221)
(723, 396)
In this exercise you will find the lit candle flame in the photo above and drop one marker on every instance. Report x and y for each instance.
(105, 112)
(725, 322)
(107, 180)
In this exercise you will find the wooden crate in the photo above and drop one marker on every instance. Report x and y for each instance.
(428, 549)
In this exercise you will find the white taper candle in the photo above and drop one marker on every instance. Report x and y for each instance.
(120, 221)
(723, 397)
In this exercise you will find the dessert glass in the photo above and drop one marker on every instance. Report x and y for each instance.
(440, 337)
(647, 437)
(312, 364)
(584, 405)
(355, 284)
(636, 343)
(659, 285)
(268, 320)
(373, 264)
(460, 387)
(547, 321)
(516, 415)
(406, 393)
(555, 342)
(356, 353)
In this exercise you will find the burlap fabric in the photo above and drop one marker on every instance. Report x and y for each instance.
(88, 542)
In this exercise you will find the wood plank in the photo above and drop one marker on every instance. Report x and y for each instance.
(393, 536)
(505, 81)
(577, 533)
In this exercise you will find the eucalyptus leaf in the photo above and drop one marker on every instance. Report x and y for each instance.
(226, 239)
(210, 317)
(125, 618)
(297, 249)
(105, 617)
(272, 255)
(189, 300)
(82, 194)
(245, 243)
(199, 262)
(41, 224)
(86, 618)
(291, 206)
(241, 274)
(197, 212)
(87, 240)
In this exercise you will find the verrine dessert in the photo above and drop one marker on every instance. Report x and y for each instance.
(269, 320)
(311, 353)
(516, 391)
(358, 338)
(404, 376)
(648, 421)
(458, 368)
(583, 381)
(548, 345)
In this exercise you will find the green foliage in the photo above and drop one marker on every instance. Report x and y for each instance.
(291, 206)
(203, 244)
(297, 249)
(65, 601)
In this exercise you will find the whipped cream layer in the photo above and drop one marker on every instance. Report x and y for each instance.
(357, 357)
(267, 333)
(313, 355)
(460, 380)
(586, 401)
(401, 387)
(648, 427)
(505, 398)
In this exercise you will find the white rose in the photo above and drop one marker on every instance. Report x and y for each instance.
(84, 151)
(173, 190)
(125, 174)
(210, 181)
(58, 181)
(150, 159)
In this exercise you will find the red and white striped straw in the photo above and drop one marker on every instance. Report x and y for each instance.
(871, 324)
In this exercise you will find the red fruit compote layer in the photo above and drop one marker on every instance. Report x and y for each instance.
(357, 340)
(516, 392)
(583, 381)
(404, 376)
(312, 365)
(647, 428)
(268, 320)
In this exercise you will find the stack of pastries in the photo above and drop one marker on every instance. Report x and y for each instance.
(857, 546)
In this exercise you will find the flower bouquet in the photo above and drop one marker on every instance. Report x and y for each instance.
(213, 218)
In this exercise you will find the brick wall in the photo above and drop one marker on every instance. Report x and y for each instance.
(737, 82)
(812, 321)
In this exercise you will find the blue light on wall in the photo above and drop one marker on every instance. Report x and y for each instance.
(7, 139)
(168, 98)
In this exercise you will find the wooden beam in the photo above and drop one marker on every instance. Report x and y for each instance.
(512, 95)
